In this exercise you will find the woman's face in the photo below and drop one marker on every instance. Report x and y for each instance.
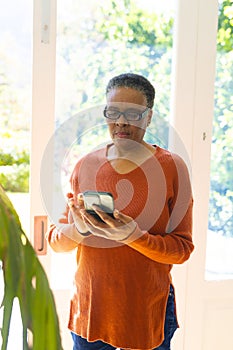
(127, 100)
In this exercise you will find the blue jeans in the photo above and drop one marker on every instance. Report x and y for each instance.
(169, 329)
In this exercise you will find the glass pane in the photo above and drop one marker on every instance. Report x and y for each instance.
(15, 111)
(15, 102)
(219, 262)
(96, 41)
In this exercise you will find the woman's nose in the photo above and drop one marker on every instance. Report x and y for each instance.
(121, 120)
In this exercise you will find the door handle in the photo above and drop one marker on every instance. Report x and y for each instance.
(40, 228)
(41, 247)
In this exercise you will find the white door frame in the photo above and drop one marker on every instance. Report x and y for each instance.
(43, 100)
(206, 307)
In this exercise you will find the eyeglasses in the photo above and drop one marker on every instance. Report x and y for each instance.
(129, 115)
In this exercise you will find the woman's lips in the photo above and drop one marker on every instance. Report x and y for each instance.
(122, 134)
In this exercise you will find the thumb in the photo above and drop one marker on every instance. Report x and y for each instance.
(122, 217)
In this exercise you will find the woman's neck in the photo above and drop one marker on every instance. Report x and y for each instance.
(125, 159)
(130, 150)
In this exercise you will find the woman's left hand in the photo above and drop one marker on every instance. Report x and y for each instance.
(116, 228)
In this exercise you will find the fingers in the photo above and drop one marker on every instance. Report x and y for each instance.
(122, 217)
(72, 203)
(105, 216)
(90, 219)
(70, 200)
(80, 201)
(116, 228)
(108, 222)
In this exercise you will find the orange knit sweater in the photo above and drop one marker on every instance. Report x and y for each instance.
(121, 289)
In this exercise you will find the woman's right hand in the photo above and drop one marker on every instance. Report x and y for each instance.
(74, 213)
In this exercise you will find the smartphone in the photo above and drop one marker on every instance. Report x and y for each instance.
(104, 200)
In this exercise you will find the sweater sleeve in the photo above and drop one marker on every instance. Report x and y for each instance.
(172, 248)
(64, 238)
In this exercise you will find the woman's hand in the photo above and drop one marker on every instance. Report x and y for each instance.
(116, 228)
(75, 215)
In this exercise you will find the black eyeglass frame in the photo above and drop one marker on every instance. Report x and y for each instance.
(140, 115)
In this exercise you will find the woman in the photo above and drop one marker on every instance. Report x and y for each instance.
(123, 295)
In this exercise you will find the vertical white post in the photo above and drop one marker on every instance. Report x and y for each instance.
(192, 113)
(43, 97)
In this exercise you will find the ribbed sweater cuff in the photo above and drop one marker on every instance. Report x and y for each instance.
(70, 231)
(137, 233)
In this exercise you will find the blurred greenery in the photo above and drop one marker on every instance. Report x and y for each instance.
(15, 178)
(114, 37)
(25, 279)
(14, 160)
(221, 194)
(225, 26)
(118, 36)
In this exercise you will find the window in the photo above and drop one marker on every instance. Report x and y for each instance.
(15, 102)
(219, 263)
(96, 41)
(15, 111)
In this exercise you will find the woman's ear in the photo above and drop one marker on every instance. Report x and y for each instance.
(149, 116)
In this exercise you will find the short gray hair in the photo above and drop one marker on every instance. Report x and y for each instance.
(133, 81)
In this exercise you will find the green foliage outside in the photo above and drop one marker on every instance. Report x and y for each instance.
(14, 130)
(221, 195)
(25, 279)
(14, 161)
(221, 192)
(118, 36)
(112, 36)
(225, 26)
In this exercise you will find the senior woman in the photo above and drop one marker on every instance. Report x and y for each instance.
(123, 291)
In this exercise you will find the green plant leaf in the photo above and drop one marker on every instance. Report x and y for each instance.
(25, 279)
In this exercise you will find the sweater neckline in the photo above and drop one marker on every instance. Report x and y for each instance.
(136, 168)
